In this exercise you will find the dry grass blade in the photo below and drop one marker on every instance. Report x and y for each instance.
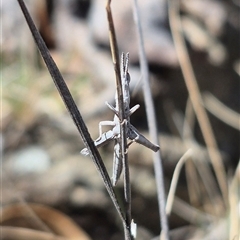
(151, 118)
(196, 99)
(71, 107)
(174, 181)
(191, 214)
(202, 167)
(191, 172)
(17, 233)
(57, 222)
(234, 197)
(122, 117)
(189, 121)
(210, 187)
(221, 111)
(193, 186)
(116, 63)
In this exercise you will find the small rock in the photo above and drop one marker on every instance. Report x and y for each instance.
(32, 159)
(83, 196)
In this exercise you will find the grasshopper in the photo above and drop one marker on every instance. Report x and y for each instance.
(132, 134)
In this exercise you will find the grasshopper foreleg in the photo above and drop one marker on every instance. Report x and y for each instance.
(100, 141)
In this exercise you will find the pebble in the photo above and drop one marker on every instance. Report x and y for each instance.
(32, 159)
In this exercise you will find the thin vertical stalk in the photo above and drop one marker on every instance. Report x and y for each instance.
(122, 117)
(151, 124)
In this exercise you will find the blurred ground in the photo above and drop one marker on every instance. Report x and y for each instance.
(40, 145)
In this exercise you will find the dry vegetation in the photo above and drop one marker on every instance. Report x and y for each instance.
(196, 101)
